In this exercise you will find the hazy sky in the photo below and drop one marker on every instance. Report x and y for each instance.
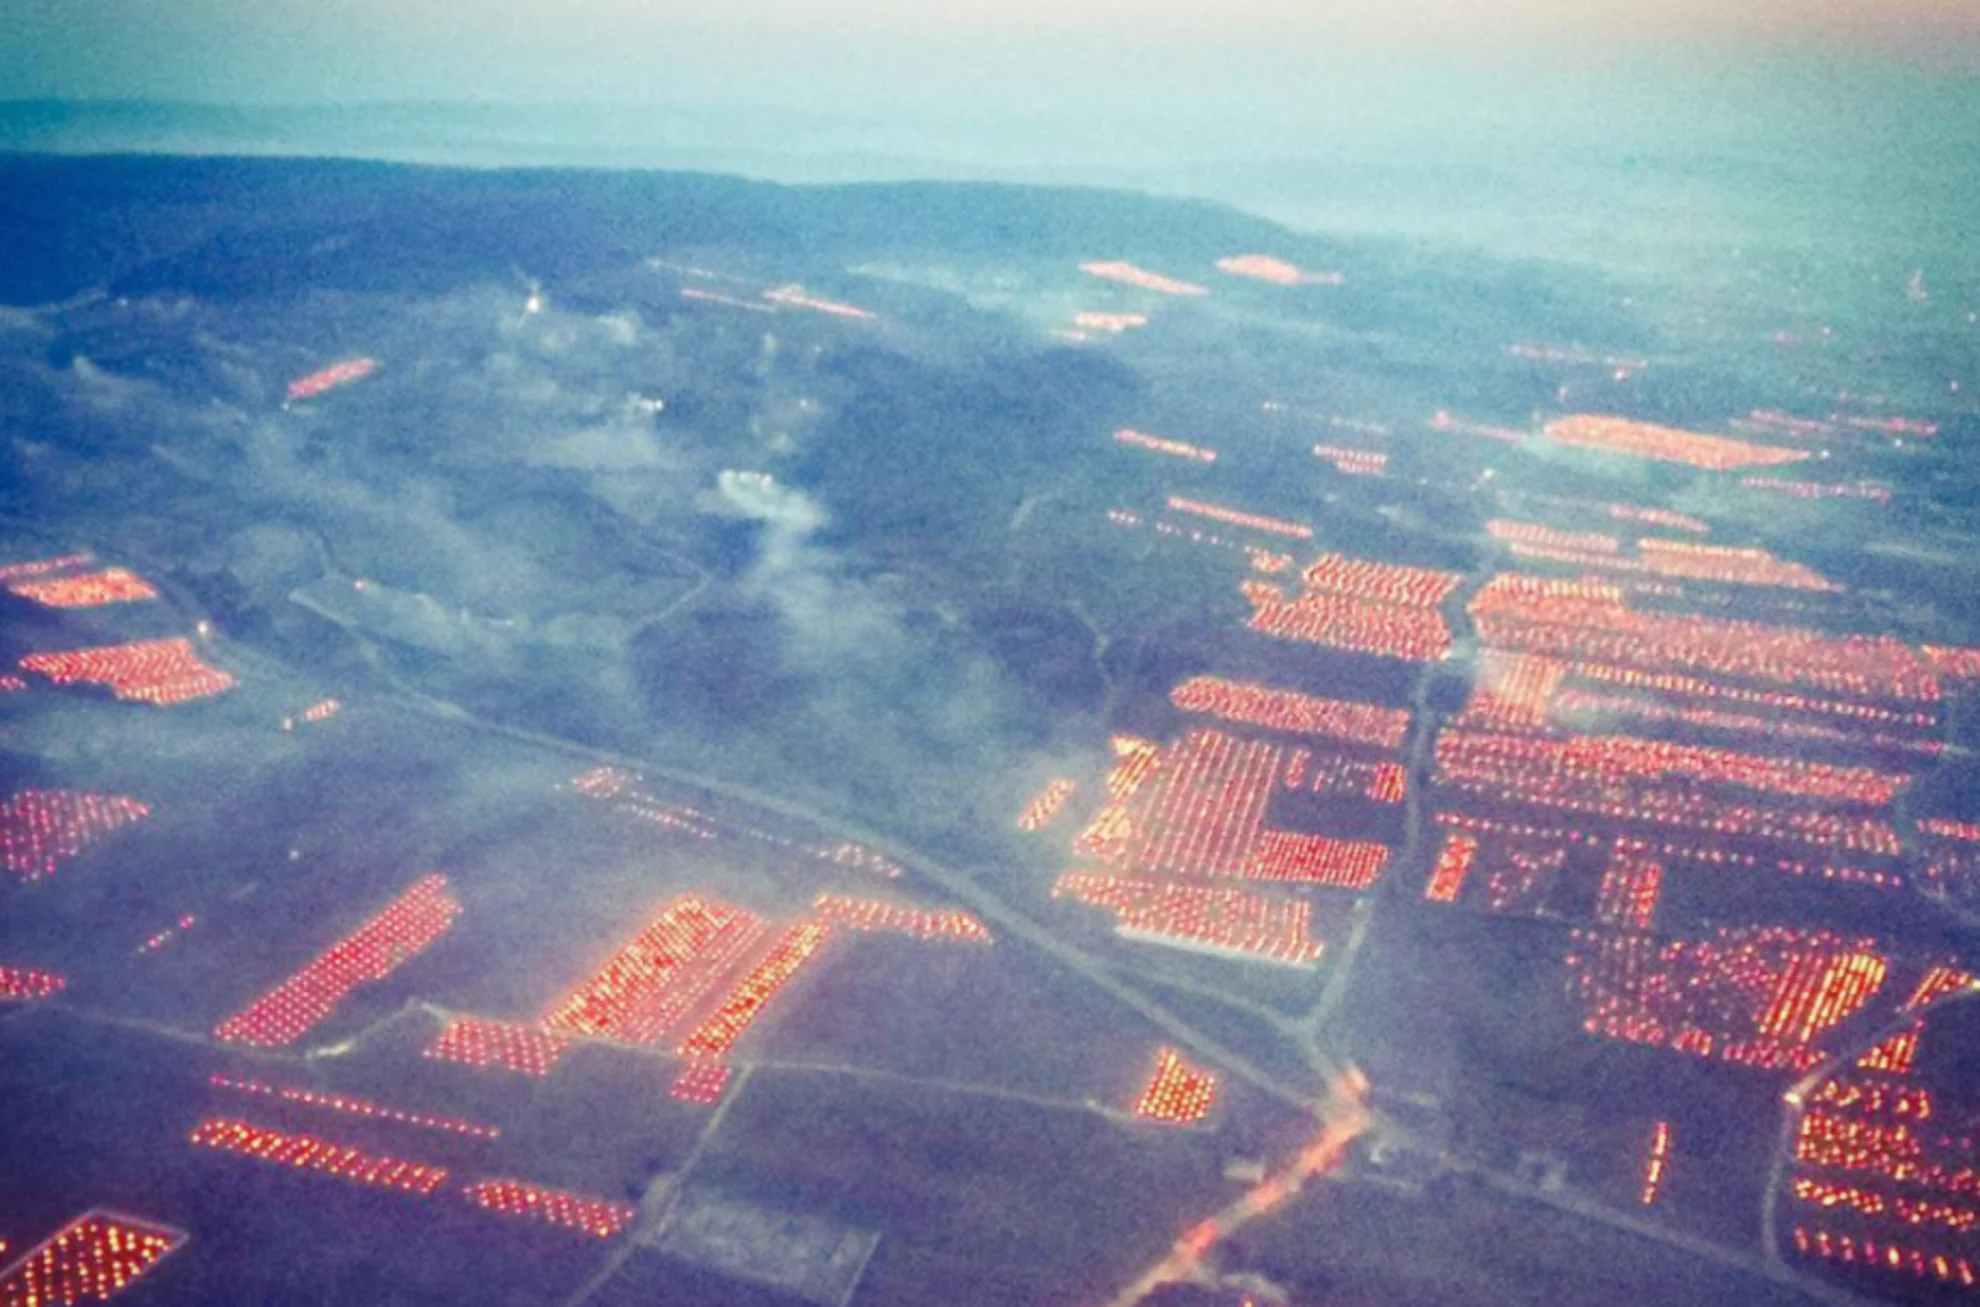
(883, 53)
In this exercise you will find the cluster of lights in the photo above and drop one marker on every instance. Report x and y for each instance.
(1346, 622)
(513, 1046)
(179, 927)
(357, 1107)
(700, 1082)
(1610, 760)
(1038, 814)
(1755, 996)
(10, 683)
(307, 1153)
(1177, 1093)
(1236, 517)
(1129, 275)
(91, 1259)
(649, 983)
(1895, 1151)
(1682, 560)
(1520, 876)
(599, 1217)
(1290, 858)
(1873, 491)
(12, 572)
(145, 671)
(1775, 701)
(1353, 462)
(1163, 445)
(1677, 804)
(1954, 662)
(42, 829)
(1873, 1098)
(1383, 782)
(26, 984)
(337, 374)
(1292, 712)
(400, 932)
(1548, 537)
(718, 1032)
(1227, 922)
(1391, 583)
(794, 296)
(1888, 426)
(1629, 890)
(1263, 267)
(1513, 691)
(1205, 817)
(321, 711)
(1572, 706)
(1442, 420)
(1660, 517)
(1454, 862)
(1589, 620)
(113, 585)
(1872, 1254)
(1656, 1162)
(871, 915)
(1894, 1055)
(1111, 323)
(1667, 444)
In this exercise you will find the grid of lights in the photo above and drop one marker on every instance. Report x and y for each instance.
(600, 1218)
(145, 671)
(1230, 923)
(871, 915)
(509, 1045)
(1038, 814)
(28, 985)
(1666, 444)
(306, 1153)
(91, 1259)
(112, 585)
(1163, 445)
(1177, 1093)
(42, 829)
(719, 1031)
(399, 933)
(349, 1106)
(1290, 711)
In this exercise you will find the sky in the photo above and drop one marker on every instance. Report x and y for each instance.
(884, 54)
(1327, 114)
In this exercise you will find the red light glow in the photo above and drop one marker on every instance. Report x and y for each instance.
(511, 1046)
(25, 984)
(91, 1259)
(113, 585)
(1162, 445)
(1129, 275)
(1666, 444)
(719, 1031)
(146, 671)
(306, 1153)
(1293, 712)
(42, 829)
(357, 1107)
(400, 932)
(598, 1217)
(337, 374)
(1178, 1093)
